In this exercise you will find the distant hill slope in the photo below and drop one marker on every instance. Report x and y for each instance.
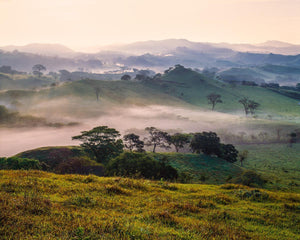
(194, 87)
(169, 45)
(23, 81)
(177, 87)
(283, 75)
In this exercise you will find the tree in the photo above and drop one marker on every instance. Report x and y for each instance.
(242, 156)
(206, 142)
(249, 105)
(228, 153)
(178, 140)
(97, 91)
(37, 69)
(213, 99)
(293, 138)
(253, 106)
(132, 141)
(102, 141)
(157, 138)
(126, 77)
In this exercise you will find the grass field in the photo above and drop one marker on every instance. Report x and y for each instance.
(277, 162)
(39, 205)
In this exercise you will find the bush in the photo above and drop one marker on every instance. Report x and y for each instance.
(16, 163)
(250, 178)
(254, 195)
(131, 164)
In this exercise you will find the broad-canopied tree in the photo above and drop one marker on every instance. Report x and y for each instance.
(102, 141)
(179, 140)
(157, 138)
(133, 142)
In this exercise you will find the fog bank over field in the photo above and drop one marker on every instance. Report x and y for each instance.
(13, 141)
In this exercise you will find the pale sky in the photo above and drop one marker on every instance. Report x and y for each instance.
(84, 23)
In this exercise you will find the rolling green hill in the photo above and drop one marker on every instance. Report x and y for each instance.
(177, 87)
(193, 88)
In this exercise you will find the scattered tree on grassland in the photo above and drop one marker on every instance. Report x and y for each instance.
(242, 156)
(249, 105)
(213, 99)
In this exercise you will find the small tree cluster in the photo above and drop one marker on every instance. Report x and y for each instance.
(130, 164)
(209, 144)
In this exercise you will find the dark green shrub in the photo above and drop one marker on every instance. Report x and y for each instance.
(16, 163)
(138, 164)
(254, 195)
(250, 178)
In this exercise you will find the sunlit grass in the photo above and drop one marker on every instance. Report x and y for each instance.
(39, 205)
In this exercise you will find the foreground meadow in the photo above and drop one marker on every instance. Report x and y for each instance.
(40, 205)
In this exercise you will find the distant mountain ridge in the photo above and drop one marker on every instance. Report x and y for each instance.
(157, 55)
(168, 45)
(41, 49)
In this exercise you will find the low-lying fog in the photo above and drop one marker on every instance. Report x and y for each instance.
(15, 140)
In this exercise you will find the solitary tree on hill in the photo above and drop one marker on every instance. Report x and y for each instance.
(249, 105)
(37, 69)
(213, 99)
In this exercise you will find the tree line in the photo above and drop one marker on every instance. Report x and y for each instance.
(106, 143)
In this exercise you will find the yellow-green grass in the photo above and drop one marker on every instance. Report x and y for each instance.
(39, 205)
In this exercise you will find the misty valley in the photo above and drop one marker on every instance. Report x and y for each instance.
(152, 140)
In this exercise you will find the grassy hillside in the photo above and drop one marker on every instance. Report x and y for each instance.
(39, 205)
(180, 87)
(277, 162)
(194, 87)
(23, 81)
(202, 168)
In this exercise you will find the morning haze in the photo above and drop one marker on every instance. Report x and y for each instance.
(130, 119)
